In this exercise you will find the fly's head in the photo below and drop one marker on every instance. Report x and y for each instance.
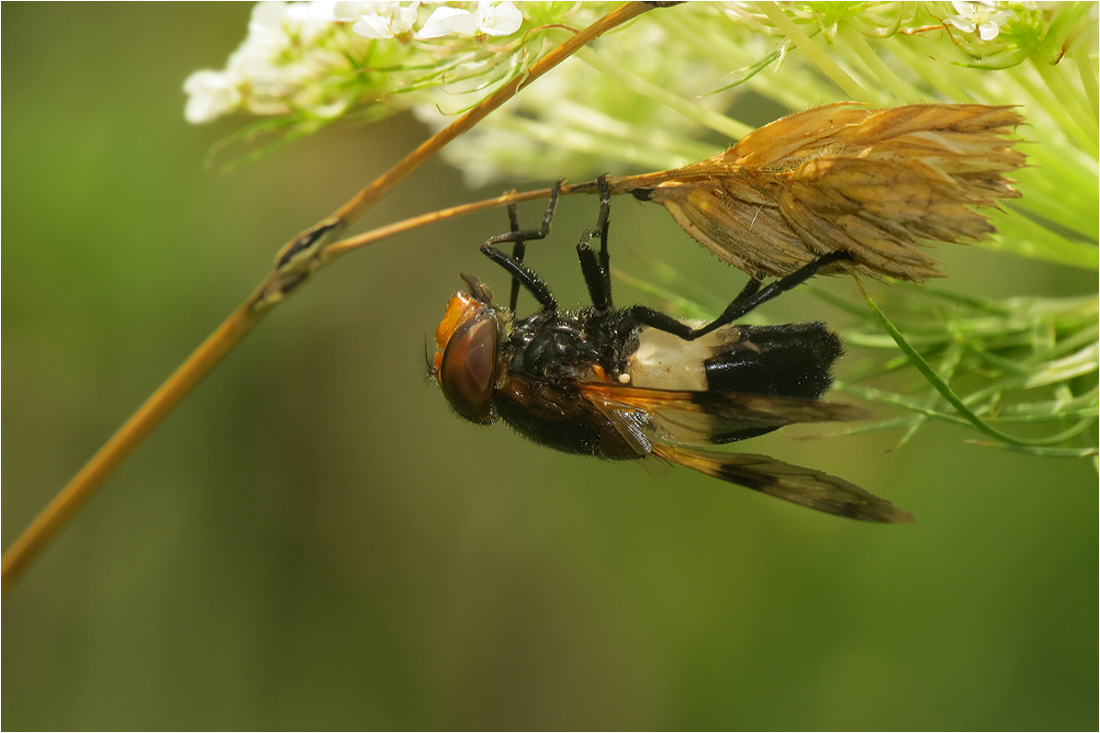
(466, 359)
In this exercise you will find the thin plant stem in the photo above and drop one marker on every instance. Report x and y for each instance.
(858, 43)
(288, 274)
(1051, 105)
(344, 246)
(815, 53)
(1040, 450)
(947, 367)
(652, 155)
(942, 387)
(714, 120)
(930, 72)
(1088, 78)
(1082, 118)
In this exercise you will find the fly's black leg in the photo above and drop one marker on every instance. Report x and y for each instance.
(752, 297)
(749, 298)
(518, 250)
(513, 217)
(594, 274)
(525, 235)
(519, 238)
(521, 274)
(597, 269)
(752, 287)
(602, 222)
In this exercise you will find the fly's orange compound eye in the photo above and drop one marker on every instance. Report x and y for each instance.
(467, 372)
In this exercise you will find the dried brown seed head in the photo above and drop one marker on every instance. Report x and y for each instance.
(873, 183)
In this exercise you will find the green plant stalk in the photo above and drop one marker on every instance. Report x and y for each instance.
(1077, 365)
(930, 72)
(1088, 78)
(877, 395)
(1041, 451)
(816, 54)
(847, 59)
(1051, 105)
(1043, 200)
(719, 48)
(708, 118)
(1045, 412)
(948, 365)
(1084, 405)
(995, 361)
(1029, 381)
(857, 42)
(585, 141)
(935, 380)
(1085, 337)
(1057, 84)
(1025, 237)
(628, 134)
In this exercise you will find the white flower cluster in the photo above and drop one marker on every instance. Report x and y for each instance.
(983, 17)
(384, 20)
(309, 58)
(641, 97)
(286, 49)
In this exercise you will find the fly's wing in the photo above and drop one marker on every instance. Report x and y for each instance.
(705, 418)
(651, 418)
(805, 486)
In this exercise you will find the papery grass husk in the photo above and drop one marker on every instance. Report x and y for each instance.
(876, 183)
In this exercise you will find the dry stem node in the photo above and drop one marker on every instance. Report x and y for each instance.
(873, 183)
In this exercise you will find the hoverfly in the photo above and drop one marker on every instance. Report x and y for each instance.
(635, 383)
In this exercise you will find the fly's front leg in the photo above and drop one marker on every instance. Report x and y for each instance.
(522, 274)
(525, 235)
(518, 250)
(519, 238)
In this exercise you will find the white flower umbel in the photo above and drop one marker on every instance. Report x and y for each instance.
(490, 19)
(310, 63)
(982, 17)
(210, 94)
(386, 20)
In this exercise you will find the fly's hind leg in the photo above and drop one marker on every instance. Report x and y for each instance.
(749, 298)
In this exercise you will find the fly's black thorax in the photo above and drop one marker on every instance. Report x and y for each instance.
(540, 362)
(558, 346)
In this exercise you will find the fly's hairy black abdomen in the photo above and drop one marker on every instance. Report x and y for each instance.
(791, 360)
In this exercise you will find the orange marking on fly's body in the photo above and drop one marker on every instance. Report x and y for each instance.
(461, 308)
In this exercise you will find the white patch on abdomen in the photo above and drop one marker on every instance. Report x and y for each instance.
(665, 361)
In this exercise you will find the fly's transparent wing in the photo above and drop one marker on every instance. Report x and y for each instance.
(706, 418)
(805, 486)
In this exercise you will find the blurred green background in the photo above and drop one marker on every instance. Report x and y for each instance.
(313, 540)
